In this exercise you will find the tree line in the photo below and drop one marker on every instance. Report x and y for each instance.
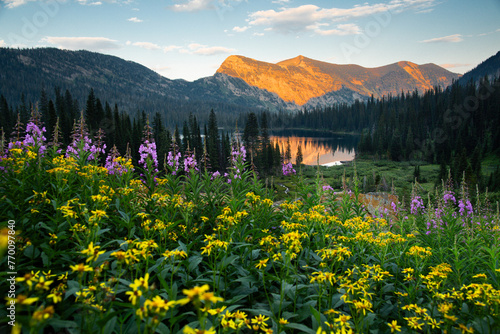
(210, 145)
(457, 127)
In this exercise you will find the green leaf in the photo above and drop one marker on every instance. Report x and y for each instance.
(45, 259)
(31, 252)
(110, 325)
(104, 230)
(229, 260)
(194, 261)
(60, 324)
(162, 328)
(300, 327)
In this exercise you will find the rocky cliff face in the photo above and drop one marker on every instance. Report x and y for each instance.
(301, 79)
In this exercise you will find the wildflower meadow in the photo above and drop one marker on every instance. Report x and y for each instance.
(99, 245)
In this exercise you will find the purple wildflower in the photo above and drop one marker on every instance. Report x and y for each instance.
(173, 161)
(34, 136)
(114, 163)
(416, 204)
(448, 196)
(327, 188)
(238, 154)
(288, 169)
(190, 163)
(463, 206)
(148, 150)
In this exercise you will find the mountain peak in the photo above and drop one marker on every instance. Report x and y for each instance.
(301, 79)
(293, 61)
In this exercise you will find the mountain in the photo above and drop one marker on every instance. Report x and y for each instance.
(490, 68)
(131, 85)
(240, 84)
(301, 79)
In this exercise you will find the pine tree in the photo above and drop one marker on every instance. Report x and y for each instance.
(288, 152)
(177, 139)
(51, 116)
(277, 156)
(299, 158)
(91, 112)
(416, 173)
(5, 115)
(43, 107)
(263, 160)
(409, 145)
(251, 135)
(212, 137)
(186, 138)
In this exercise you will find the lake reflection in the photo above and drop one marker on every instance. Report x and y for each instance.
(331, 150)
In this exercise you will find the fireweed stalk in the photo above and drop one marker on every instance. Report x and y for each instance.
(148, 158)
(321, 272)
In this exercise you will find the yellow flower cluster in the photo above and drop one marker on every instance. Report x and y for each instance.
(339, 253)
(436, 276)
(39, 198)
(213, 244)
(62, 165)
(292, 243)
(234, 320)
(292, 207)
(227, 220)
(89, 171)
(19, 159)
(419, 252)
(175, 254)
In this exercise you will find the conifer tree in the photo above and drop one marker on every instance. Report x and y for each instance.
(263, 160)
(251, 135)
(212, 137)
(91, 112)
(299, 158)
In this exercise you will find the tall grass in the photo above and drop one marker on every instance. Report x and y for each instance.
(127, 249)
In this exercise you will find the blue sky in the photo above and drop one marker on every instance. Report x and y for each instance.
(189, 39)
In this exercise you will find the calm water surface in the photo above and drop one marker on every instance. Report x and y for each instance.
(331, 150)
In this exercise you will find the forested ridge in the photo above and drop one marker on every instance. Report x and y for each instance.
(456, 127)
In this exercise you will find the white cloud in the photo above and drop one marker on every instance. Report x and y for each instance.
(2, 43)
(258, 34)
(454, 65)
(171, 48)
(310, 17)
(240, 29)
(213, 50)
(78, 43)
(446, 39)
(194, 46)
(160, 69)
(341, 30)
(147, 45)
(193, 5)
(15, 3)
(197, 5)
(204, 50)
(488, 33)
(135, 20)
(89, 3)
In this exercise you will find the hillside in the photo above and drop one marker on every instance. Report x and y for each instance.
(129, 84)
(490, 68)
(301, 79)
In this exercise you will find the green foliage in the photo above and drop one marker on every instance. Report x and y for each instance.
(100, 252)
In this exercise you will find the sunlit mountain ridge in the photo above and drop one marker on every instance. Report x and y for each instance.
(301, 79)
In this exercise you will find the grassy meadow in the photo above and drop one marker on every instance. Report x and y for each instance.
(107, 247)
